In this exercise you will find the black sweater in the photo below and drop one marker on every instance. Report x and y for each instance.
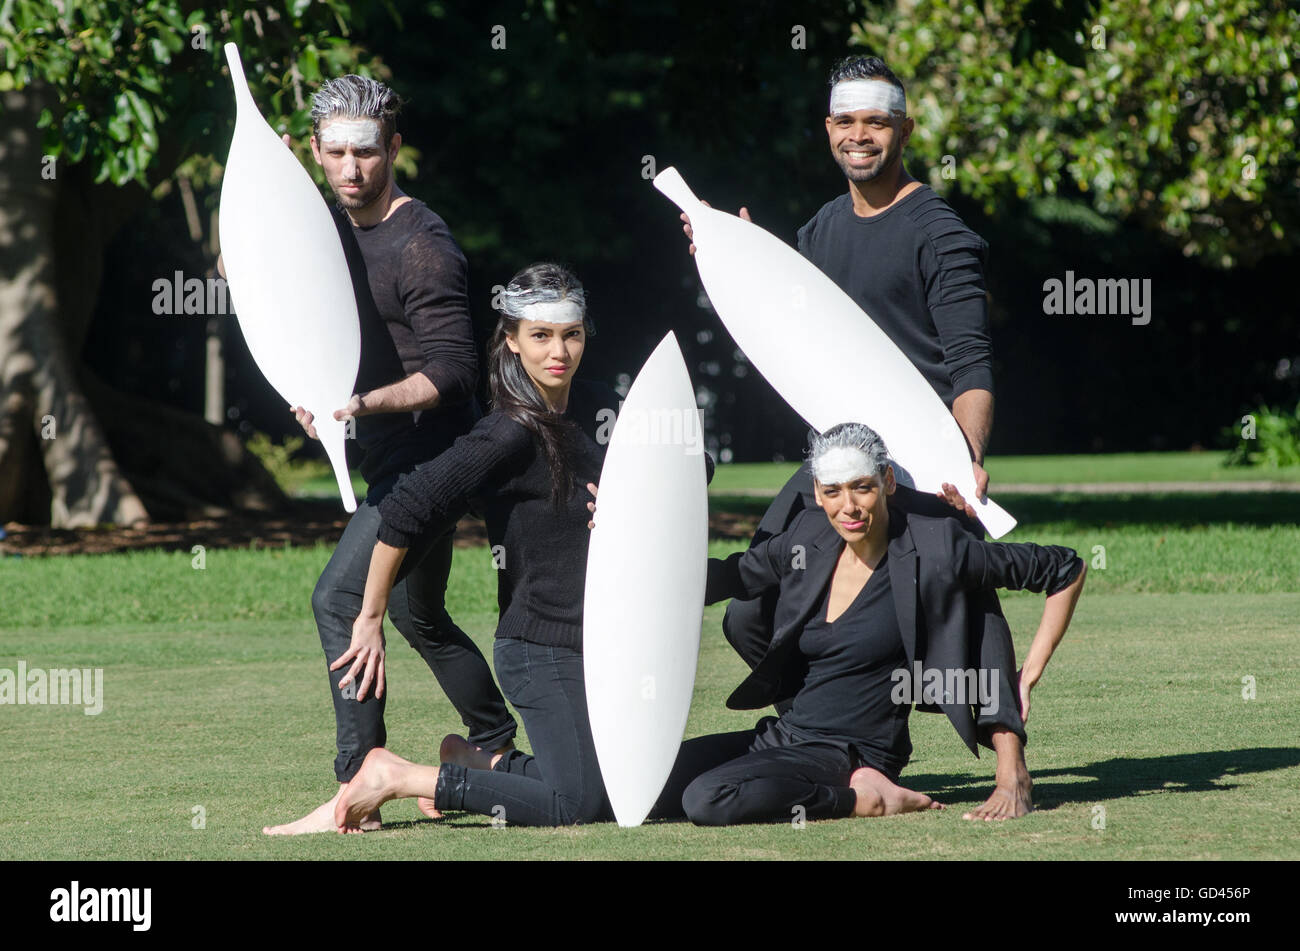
(499, 467)
(410, 280)
(918, 272)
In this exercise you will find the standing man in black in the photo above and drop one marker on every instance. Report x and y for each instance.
(909, 261)
(415, 396)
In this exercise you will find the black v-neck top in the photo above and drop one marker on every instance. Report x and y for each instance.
(848, 692)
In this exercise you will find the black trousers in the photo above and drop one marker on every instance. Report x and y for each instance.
(748, 625)
(416, 609)
(758, 775)
(559, 785)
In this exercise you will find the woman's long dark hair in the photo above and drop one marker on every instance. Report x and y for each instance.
(511, 389)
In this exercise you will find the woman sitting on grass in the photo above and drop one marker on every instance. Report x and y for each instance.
(850, 589)
(872, 616)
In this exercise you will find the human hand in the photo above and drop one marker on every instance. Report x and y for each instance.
(981, 481)
(366, 652)
(690, 233)
(954, 498)
(356, 407)
(1025, 687)
(591, 506)
(305, 420)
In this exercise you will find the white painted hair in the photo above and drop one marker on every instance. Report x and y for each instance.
(850, 95)
(356, 97)
(846, 452)
(553, 305)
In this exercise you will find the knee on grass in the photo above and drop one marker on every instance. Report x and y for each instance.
(710, 803)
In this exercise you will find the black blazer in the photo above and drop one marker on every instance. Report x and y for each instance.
(933, 566)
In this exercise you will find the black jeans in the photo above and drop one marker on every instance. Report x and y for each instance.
(416, 609)
(561, 783)
(758, 775)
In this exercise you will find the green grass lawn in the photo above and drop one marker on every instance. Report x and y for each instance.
(215, 697)
(1046, 470)
(1131, 467)
(1050, 470)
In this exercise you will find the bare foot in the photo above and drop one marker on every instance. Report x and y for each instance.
(457, 749)
(374, 784)
(428, 808)
(321, 819)
(879, 796)
(1012, 797)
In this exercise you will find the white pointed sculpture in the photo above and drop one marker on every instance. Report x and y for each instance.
(645, 584)
(288, 277)
(822, 353)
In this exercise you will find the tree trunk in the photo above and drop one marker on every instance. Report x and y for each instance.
(41, 392)
(59, 457)
(183, 467)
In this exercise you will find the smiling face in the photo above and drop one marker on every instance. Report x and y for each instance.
(358, 166)
(549, 354)
(867, 143)
(857, 508)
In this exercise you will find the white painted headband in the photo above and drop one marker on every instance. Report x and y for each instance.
(841, 464)
(566, 311)
(854, 94)
(355, 132)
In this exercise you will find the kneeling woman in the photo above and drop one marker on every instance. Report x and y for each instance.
(869, 595)
(523, 466)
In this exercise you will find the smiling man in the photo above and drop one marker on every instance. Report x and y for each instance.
(901, 252)
(414, 397)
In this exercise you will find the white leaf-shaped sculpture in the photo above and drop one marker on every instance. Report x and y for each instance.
(288, 277)
(821, 351)
(645, 584)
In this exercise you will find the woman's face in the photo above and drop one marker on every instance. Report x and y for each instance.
(550, 353)
(857, 509)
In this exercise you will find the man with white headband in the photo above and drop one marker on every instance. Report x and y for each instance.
(898, 249)
(414, 397)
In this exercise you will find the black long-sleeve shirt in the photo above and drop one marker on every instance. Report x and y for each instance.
(918, 272)
(411, 284)
(499, 467)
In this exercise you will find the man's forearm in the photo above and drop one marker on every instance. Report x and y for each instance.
(973, 411)
(413, 393)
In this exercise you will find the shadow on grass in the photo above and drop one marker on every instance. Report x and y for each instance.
(1157, 511)
(452, 820)
(1120, 778)
(1099, 511)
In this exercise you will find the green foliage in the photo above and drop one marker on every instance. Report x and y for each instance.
(142, 84)
(1266, 437)
(291, 474)
(1184, 121)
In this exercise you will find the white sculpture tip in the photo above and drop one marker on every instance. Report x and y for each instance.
(237, 78)
(997, 520)
(674, 187)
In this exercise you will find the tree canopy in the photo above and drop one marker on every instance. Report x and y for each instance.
(1181, 117)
